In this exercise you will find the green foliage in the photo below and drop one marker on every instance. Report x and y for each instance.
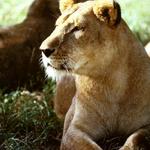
(27, 120)
(13, 11)
(137, 15)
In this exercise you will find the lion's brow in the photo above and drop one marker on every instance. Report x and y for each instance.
(65, 16)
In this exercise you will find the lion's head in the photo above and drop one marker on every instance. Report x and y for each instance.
(83, 41)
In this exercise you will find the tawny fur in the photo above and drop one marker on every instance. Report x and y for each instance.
(64, 4)
(112, 76)
(65, 91)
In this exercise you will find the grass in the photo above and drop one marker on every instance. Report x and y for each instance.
(27, 120)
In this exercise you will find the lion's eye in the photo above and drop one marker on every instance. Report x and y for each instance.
(77, 29)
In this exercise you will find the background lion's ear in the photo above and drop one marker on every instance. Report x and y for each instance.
(107, 11)
(64, 4)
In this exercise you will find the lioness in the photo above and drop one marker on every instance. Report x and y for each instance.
(112, 72)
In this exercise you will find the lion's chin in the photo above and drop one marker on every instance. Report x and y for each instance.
(56, 73)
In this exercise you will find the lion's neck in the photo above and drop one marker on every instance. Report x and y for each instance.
(87, 87)
(124, 70)
(109, 87)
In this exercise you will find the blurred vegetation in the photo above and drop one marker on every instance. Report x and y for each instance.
(27, 120)
(137, 15)
(13, 11)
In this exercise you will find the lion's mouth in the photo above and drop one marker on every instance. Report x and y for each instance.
(62, 67)
(49, 65)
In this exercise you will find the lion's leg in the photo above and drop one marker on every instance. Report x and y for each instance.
(69, 116)
(138, 140)
(76, 139)
(65, 91)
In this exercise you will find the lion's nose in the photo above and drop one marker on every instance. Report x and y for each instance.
(48, 52)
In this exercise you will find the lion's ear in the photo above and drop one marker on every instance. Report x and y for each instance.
(64, 4)
(107, 11)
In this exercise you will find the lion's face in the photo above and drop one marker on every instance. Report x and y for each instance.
(81, 43)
